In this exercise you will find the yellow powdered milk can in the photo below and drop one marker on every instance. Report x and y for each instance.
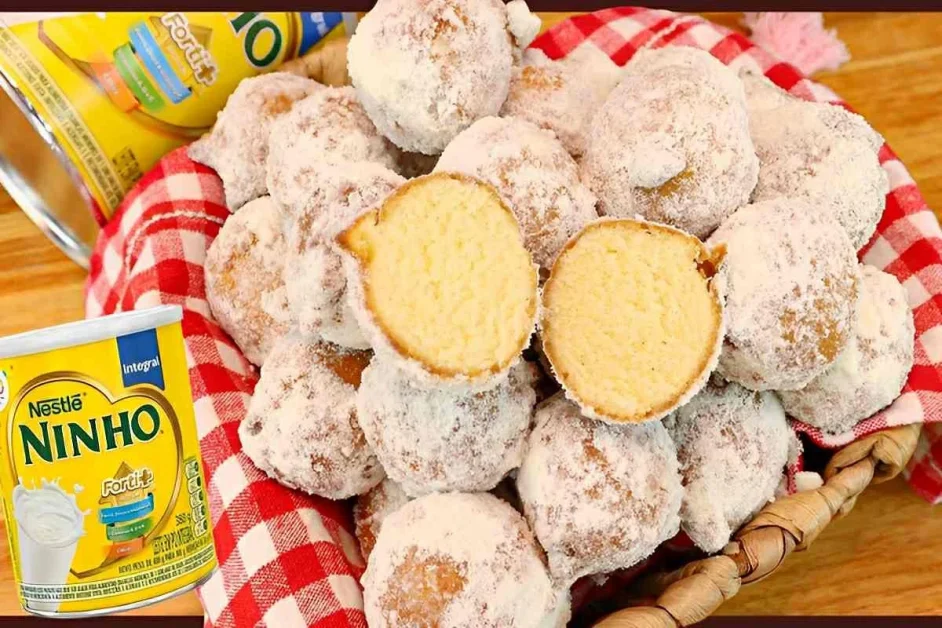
(91, 101)
(101, 477)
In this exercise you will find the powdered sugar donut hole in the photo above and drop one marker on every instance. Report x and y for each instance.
(338, 193)
(463, 561)
(330, 125)
(671, 142)
(871, 370)
(733, 445)
(244, 285)
(440, 281)
(315, 281)
(562, 96)
(534, 175)
(316, 291)
(425, 70)
(438, 439)
(790, 278)
(599, 497)
(372, 508)
(818, 152)
(237, 146)
(301, 428)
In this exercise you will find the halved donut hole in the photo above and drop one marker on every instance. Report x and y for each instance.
(631, 321)
(445, 276)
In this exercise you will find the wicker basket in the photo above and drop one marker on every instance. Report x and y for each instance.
(692, 593)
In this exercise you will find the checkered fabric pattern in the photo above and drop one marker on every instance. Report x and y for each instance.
(287, 559)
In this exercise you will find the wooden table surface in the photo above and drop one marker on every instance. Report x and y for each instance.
(884, 559)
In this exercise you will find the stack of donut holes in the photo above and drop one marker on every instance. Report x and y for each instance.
(540, 316)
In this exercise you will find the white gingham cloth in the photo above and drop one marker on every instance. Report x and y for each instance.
(287, 559)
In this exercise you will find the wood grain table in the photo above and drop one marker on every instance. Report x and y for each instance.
(886, 557)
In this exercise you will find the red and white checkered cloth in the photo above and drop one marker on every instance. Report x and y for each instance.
(287, 559)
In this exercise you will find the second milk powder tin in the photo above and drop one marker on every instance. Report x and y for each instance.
(101, 477)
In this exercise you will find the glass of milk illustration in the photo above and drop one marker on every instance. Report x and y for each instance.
(49, 526)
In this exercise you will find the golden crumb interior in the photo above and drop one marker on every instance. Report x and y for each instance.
(630, 322)
(446, 275)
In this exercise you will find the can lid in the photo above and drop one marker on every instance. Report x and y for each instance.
(91, 330)
(41, 178)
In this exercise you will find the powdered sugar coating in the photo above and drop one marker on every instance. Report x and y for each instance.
(425, 70)
(790, 280)
(808, 481)
(534, 175)
(818, 152)
(371, 510)
(432, 439)
(871, 370)
(331, 126)
(338, 194)
(671, 142)
(796, 449)
(316, 289)
(562, 96)
(244, 285)
(237, 146)
(599, 497)
(315, 282)
(301, 428)
(732, 444)
(523, 24)
(463, 561)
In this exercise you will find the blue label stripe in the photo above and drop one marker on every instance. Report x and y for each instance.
(127, 512)
(139, 359)
(314, 26)
(157, 64)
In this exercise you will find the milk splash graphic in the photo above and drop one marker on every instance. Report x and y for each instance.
(49, 524)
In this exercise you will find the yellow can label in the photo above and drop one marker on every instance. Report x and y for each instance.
(120, 90)
(103, 488)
